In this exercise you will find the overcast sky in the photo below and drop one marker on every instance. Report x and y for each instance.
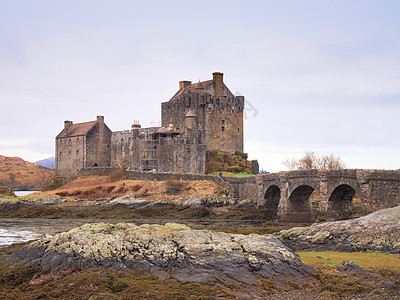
(319, 76)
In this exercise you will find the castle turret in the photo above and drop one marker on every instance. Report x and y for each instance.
(191, 119)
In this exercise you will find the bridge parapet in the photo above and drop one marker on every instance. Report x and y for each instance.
(375, 189)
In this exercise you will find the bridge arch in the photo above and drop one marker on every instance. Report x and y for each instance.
(340, 203)
(299, 206)
(272, 197)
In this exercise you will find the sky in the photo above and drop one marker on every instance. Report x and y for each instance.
(317, 75)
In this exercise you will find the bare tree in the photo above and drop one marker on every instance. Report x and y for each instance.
(311, 161)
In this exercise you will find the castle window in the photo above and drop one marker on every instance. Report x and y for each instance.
(60, 143)
(108, 146)
(77, 140)
(223, 122)
(223, 128)
(188, 149)
(238, 130)
(122, 141)
(70, 142)
(77, 152)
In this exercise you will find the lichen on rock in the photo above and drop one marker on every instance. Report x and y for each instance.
(379, 231)
(171, 250)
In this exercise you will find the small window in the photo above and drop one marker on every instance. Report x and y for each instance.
(122, 141)
(77, 140)
(188, 149)
(223, 122)
(77, 152)
(223, 128)
(70, 142)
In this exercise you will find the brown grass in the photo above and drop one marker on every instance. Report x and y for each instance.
(101, 188)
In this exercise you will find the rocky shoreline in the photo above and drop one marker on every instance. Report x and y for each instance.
(253, 265)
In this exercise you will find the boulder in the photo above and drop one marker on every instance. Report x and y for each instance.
(379, 231)
(127, 200)
(171, 250)
(48, 200)
(206, 200)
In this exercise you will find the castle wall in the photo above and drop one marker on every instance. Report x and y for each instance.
(98, 147)
(221, 119)
(181, 153)
(125, 148)
(70, 155)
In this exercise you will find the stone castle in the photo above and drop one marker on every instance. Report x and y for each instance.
(199, 117)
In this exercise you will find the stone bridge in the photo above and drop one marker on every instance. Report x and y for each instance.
(307, 195)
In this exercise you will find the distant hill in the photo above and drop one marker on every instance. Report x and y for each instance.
(19, 174)
(49, 163)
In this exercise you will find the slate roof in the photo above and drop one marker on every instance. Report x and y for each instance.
(191, 113)
(192, 88)
(77, 129)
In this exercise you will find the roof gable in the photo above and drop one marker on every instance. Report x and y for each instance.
(204, 86)
(77, 129)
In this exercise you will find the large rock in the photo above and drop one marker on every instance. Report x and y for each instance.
(206, 200)
(172, 250)
(127, 200)
(47, 200)
(379, 231)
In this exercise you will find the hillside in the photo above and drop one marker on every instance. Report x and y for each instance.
(19, 174)
(48, 163)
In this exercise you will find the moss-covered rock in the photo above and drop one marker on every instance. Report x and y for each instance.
(171, 250)
(379, 231)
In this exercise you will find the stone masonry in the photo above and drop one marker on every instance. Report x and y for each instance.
(199, 117)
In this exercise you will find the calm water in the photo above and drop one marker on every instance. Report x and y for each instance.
(24, 193)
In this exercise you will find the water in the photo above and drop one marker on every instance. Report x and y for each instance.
(8, 237)
(24, 193)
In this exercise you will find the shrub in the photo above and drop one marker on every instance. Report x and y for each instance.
(234, 169)
(241, 154)
(55, 183)
(6, 191)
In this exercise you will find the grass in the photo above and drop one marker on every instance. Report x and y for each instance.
(366, 260)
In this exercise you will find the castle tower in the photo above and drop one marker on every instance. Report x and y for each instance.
(219, 112)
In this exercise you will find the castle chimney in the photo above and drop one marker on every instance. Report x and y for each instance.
(136, 125)
(218, 79)
(67, 126)
(183, 84)
(100, 119)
